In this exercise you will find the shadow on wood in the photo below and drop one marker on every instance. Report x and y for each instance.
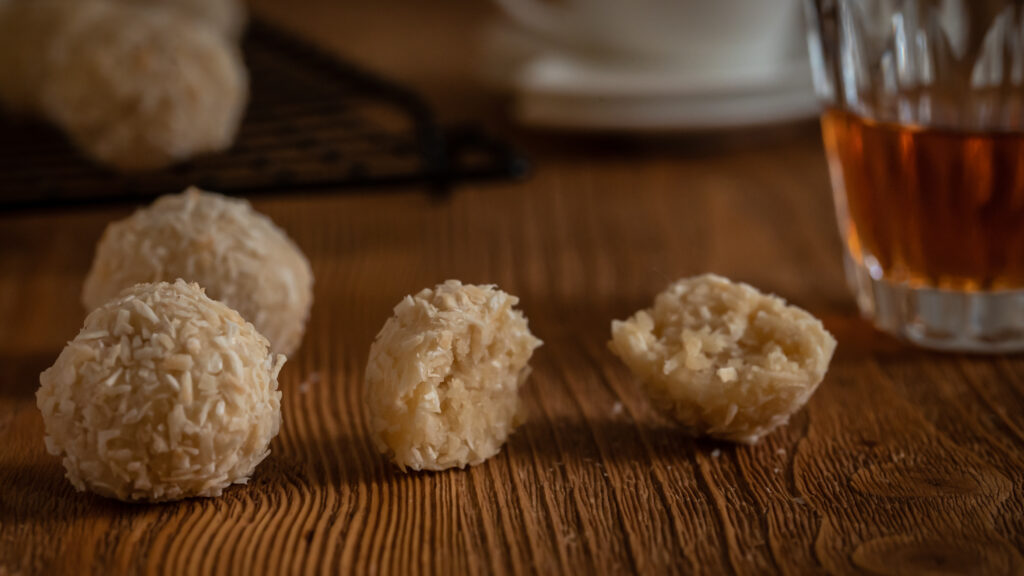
(40, 493)
(341, 461)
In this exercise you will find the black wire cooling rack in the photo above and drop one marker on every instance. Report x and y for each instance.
(313, 123)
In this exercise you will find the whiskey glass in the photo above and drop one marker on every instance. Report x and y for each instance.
(923, 125)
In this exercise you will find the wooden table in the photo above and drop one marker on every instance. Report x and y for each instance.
(904, 462)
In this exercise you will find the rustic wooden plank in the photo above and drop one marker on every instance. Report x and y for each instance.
(904, 462)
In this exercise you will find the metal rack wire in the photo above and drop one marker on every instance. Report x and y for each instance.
(313, 123)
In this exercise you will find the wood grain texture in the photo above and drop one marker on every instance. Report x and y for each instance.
(904, 462)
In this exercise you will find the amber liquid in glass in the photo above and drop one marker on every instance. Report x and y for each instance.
(929, 208)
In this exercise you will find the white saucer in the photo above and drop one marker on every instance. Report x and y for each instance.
(555, 89)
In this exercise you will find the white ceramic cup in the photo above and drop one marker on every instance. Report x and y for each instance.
(696, 34)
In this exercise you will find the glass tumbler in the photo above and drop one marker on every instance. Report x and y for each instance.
(923, 124)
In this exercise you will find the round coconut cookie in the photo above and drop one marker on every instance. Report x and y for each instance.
(164, 394)
(140, 88)
(237, 254)
(724, 359)
(443, 377)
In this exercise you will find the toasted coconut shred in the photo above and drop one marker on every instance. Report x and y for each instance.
(724, 359)
(443, 376)
(164, 394)
(237, 254)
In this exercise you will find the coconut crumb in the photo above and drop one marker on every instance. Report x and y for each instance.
(724, 359)
(237, 254)
(617, 408)
(443, 376)
(312, 379)
(125, 416)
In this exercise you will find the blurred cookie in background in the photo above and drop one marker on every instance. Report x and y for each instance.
(135, 85)
(140, 89)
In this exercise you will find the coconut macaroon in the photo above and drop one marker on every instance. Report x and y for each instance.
(140, 88)
(237, 254)
(136, 84)
(724, 359)
(443, 376)
(164, 394)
